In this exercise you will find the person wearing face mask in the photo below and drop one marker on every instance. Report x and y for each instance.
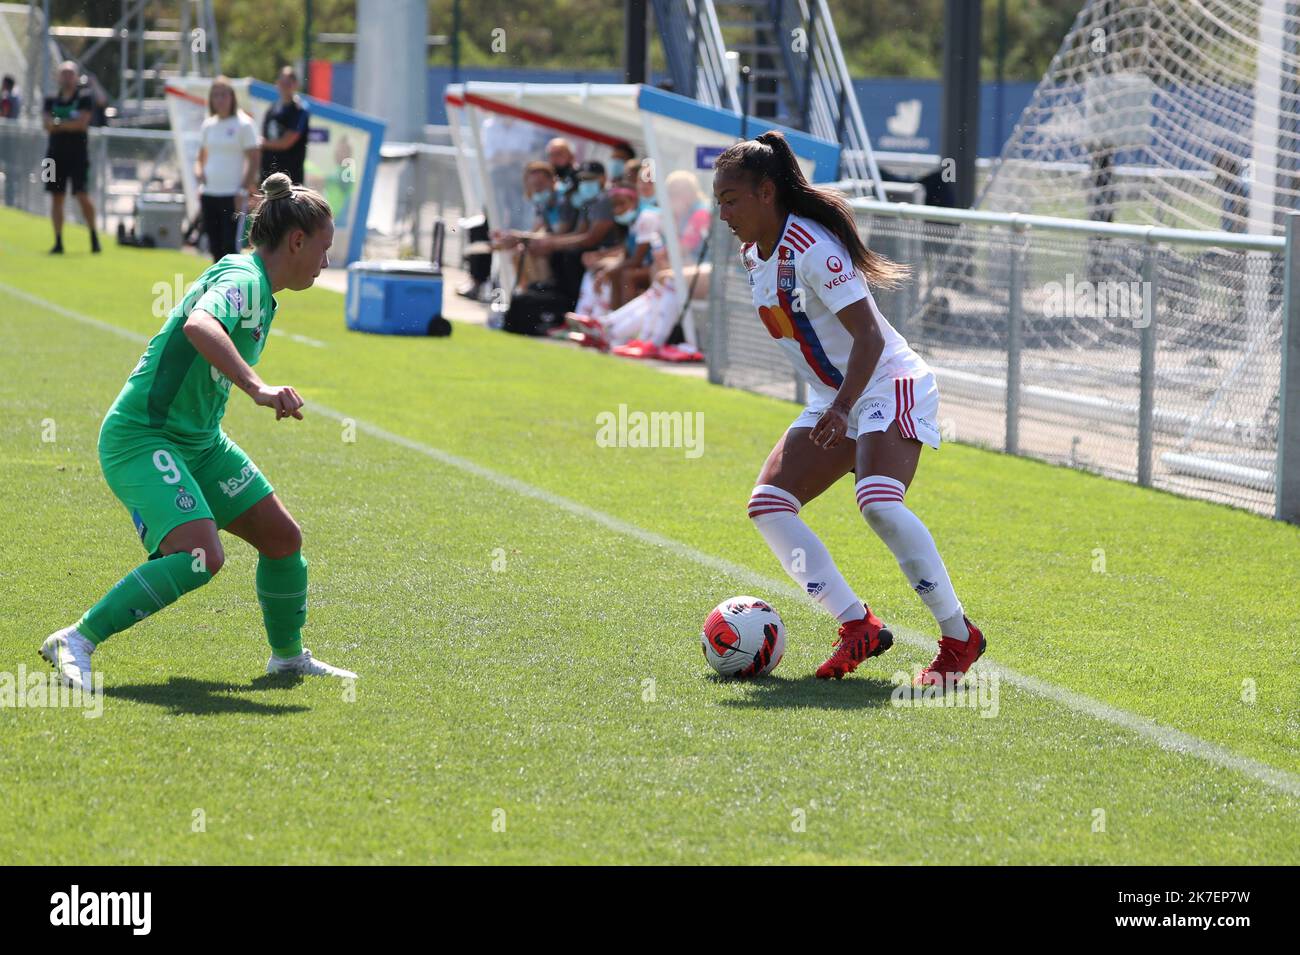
(638, 272)
(628, 275)
(550, 215)
(622, 157)
(602, 283)
(595, 228)
(541, 188)
(559, 153)
(641, 328)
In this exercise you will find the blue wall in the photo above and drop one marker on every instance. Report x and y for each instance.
(884, 99)
(879, 99)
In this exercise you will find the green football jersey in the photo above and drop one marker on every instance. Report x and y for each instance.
(173, 389)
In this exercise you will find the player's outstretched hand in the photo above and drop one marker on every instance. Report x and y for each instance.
(282, 398)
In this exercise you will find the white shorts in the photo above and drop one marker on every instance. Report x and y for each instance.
(912, 402)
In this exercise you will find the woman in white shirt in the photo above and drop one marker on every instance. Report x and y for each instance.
(227, 166)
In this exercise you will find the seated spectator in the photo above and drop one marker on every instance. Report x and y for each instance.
(549, 217)
(642, 327)
(559, 153)
(603, 276)
(628, 275)
(595, 228)
(632, 172)
(637, 271)
(690, 211)
(621, 157)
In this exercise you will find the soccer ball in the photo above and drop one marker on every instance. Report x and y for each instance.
(743, 637)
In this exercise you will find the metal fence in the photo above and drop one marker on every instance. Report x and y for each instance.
(1144, 354)
(123, 164)
(416, 184)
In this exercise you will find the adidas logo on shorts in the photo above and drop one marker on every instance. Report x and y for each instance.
(876, 415)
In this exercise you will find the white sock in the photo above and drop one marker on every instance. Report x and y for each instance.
(880, 499)
(805, 558)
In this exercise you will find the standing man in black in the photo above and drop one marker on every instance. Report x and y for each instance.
(67, 157)
(284, 131)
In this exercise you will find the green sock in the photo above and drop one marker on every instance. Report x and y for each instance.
(145, 590)
(282, 592)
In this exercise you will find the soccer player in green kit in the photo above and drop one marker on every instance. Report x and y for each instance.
(180, 477)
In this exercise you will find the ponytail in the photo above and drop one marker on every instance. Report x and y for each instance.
(769, 157)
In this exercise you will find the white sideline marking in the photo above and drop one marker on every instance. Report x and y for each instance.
(1165, 737)
(300, 339)
(124, 332)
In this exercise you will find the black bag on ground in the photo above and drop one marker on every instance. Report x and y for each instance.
(479, 264)
(535, 310)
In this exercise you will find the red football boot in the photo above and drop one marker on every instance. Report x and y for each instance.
(858, 640)
(954, 658)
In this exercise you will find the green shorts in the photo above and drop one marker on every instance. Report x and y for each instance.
(163, 487)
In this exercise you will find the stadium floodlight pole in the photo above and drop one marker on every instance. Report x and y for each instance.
(636, 41)
(959, 133)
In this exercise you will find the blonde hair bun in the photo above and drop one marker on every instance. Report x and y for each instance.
(285, 207)
(277, 186)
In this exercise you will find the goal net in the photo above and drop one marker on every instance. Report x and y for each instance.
(1177, 113)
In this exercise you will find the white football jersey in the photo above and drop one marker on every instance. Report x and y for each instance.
(797, 291)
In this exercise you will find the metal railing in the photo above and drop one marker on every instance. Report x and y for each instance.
(810, 51)
(826, 88)
(123, 164)
(414, 188)
(1142, 353)
(696, 54)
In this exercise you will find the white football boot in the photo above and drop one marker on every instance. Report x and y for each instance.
(304, 664)
(69, 653)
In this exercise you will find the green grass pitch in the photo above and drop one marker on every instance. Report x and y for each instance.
(532, 687)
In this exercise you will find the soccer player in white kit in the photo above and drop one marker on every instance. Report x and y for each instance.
(874, 400)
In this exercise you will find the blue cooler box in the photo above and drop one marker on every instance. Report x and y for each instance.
(394, 297)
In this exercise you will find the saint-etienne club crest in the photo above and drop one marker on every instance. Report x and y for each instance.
(185, 500)
(785, 268)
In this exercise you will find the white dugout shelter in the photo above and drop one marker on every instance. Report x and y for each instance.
(498, 127)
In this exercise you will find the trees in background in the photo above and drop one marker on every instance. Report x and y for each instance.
(879, 37)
